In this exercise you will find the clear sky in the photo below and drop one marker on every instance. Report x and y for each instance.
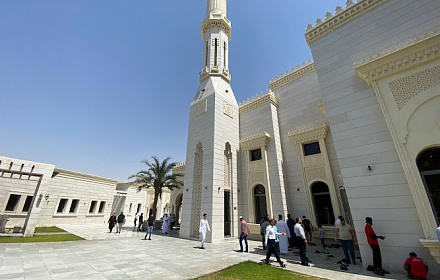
(96, 86)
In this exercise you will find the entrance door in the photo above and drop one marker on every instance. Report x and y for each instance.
(428, 163)
(227, 213)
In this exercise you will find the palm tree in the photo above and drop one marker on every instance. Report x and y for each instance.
(158, 176)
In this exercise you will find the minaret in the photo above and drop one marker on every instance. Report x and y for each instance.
(210, 184)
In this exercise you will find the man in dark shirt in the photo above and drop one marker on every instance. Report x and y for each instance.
(141, 221)
(291, 224)
(308, 228)
(121, 221)
(263, 227)
(150, 226)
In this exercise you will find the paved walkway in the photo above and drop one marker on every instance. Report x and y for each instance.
(126, 256)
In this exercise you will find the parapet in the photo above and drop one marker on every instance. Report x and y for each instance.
(341, 17)
(294, 74)
(257, 101)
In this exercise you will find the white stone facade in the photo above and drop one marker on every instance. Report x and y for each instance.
(338, 136)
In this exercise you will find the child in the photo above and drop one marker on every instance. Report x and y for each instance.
(321, 233)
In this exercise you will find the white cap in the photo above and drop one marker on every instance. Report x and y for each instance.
(241, 217)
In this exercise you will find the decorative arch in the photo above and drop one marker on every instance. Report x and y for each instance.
(178, 207)
(428, 163)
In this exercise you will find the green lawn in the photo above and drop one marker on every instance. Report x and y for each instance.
(48, 229)
(41, 238)
(252, 271)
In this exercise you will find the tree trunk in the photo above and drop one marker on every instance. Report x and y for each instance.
(156, 197)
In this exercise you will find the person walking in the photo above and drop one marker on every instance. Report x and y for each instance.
(150, 227)
(121, 221)
(321, 233)
(112, 222)
(136, 217)
(301, 241)
(244, 234)
(270, 243)
(308, 228)
(141, 221)
(263, 227)
(291, 224)
(277, 239)
(165, 220)
(415, 267)
(172, 221)
(284, 239)
(204, 226)
(372, 239)
(346, 235)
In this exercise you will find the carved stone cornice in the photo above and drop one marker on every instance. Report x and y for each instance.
(85, 177)
(215, 71)
(257, 101)
(216, 23)
(308, 133)
(293, 75)
(398, 58)
(255, 141)
(179, 168)
(340, 18)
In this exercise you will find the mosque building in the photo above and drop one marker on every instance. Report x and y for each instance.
(355, 132)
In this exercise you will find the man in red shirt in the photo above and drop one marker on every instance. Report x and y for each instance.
(244, 234)
(374, 244)
(415, 267)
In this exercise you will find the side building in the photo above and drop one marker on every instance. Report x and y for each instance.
(34, 194)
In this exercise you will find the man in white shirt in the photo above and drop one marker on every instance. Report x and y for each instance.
(270, 243)
(204, 226)
(346, 235)
(301, 241)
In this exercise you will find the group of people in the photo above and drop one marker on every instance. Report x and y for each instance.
(118, 221)
(278, 236)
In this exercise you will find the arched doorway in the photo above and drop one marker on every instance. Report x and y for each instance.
(260, 202)
(178, 208)
(323, 204)
(428, 163)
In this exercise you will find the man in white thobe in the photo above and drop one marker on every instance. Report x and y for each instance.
(165, 224)
(284, 239)
(204, 226)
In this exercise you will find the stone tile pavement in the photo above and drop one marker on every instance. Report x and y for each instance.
(126, 256)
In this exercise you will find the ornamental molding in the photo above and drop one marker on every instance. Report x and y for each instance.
(255, 141)
(228, 109)
(308, 133)
(406, 88)
(433, 246)
(294, 74)
(400, 57)
(83, 177)
(258, 101)
(201, 107)
(222, 24)
(341, 17)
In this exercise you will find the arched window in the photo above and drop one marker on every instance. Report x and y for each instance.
(323, 204)
(428, 163)
(260, 203)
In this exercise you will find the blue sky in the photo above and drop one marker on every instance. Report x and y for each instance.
(96, 86)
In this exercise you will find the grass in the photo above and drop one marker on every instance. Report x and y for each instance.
(252, 271)
(48, 229)
(41, 238)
